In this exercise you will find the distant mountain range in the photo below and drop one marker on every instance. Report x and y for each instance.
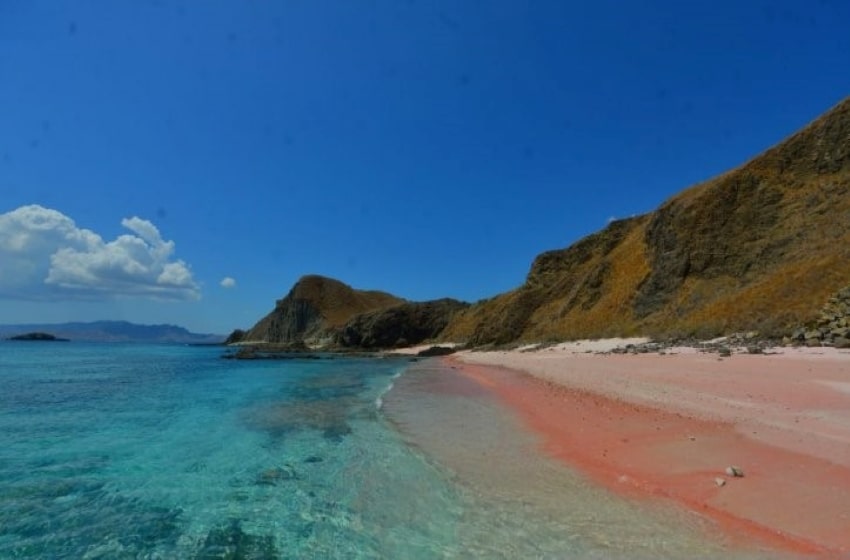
(113, 331)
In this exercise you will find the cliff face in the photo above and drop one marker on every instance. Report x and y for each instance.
(314, 310)
(402, 325)
(761, 247)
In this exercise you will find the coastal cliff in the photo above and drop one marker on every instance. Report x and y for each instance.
(314, 310)
(761, 247)
(324, 313)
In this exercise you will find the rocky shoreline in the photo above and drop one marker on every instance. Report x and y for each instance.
(289, 352)
(832, 327)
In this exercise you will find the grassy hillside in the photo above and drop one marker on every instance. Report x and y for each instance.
(338, 302)
(761, 247)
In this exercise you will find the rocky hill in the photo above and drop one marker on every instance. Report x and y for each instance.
(324, 313)
(314, 310)
(761, 247)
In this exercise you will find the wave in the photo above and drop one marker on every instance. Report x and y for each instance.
(379, 400)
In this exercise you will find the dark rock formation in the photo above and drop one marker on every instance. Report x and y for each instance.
(716, 236)
(230, 541)
(402, 325)
(832, 327)
(437, 351)
(276, 475)
(236, 336)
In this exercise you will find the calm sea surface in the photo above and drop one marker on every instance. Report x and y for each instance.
(137, 451)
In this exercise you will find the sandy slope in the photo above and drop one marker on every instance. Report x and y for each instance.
(670, 425)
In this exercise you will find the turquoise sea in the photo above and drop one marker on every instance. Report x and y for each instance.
(139, 451)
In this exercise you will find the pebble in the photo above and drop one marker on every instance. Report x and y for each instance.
(734, 471)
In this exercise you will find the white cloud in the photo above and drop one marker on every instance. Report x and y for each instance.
(44, 255)
(228, 282)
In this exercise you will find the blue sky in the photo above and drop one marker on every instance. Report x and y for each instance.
(150, 150)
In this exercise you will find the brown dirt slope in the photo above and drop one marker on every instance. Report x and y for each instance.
(761, 247)
(314, 309)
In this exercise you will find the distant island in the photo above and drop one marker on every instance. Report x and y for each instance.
(39, 337)
(111, 331)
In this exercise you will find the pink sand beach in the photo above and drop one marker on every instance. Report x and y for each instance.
(669, 426)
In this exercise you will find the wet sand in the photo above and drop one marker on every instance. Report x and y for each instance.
(669, 425)
(517, 502)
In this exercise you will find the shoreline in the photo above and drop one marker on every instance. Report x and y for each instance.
(669, 425)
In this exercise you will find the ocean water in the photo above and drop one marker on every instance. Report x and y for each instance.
(137, 451)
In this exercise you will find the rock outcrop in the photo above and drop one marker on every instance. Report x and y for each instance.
(759, 248)
(235, 337)
(314, 311)
(832, 327)
(402, 325)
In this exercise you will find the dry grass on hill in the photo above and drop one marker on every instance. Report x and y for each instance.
(761, 247)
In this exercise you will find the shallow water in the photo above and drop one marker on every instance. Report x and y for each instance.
(128, 451)
(136, 451)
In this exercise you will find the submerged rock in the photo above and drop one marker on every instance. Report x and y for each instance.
(230, 542)
(270, 477)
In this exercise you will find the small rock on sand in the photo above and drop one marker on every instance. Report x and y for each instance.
(720, 481)
(734, 471)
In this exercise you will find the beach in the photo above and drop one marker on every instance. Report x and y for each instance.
(681, 425)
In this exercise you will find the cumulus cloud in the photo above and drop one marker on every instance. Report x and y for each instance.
(44, 255)
(228, 282)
